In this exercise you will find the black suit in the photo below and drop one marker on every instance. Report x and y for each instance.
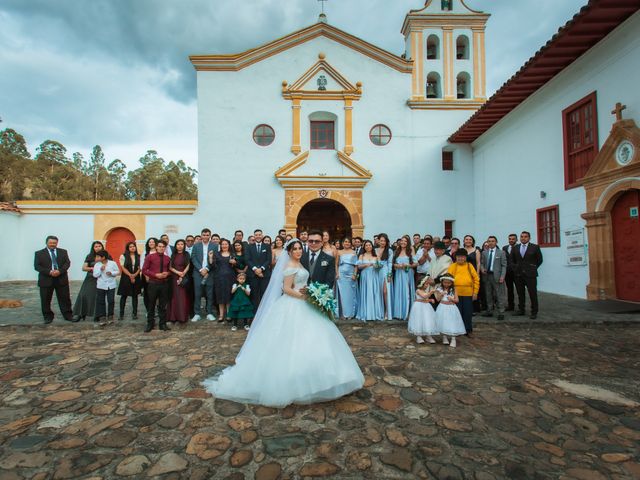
(509, 279)
(258, 258)
(323, 269)
(525, 270)
(43, 264)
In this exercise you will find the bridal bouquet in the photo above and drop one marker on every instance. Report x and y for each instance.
(320, 295)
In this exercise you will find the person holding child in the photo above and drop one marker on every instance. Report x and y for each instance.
(241, 307)
(448, 319)
(422, 319)
(105, 271)
(467, 285)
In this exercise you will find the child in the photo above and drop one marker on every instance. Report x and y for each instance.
(240, 307)
(106, 271)
(448, 318)
(422, 319)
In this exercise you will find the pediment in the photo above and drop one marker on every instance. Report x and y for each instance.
(322, 80)
(344, 171)
(606, 161)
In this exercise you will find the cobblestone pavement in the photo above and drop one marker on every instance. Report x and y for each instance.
(555, 401)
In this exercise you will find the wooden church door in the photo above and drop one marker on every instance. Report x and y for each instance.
(116, 241)
(626, 238)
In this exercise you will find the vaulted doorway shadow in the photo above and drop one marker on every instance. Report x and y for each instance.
(325, 214)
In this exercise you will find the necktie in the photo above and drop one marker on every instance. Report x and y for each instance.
(54, 260)
(161, 263)
(313, 259)
(490, 263)
(523, 249)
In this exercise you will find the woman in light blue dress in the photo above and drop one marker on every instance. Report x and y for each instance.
(346, 284)
(370, 304)
(385, 256)
(404, 289)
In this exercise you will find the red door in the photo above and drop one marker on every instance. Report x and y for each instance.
(116, 241)
(626, 237)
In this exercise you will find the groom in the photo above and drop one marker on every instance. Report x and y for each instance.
(321, 267)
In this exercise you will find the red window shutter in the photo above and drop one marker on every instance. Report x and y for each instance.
(548, 226)
(580, 130)
(447, 160)
(448, 227)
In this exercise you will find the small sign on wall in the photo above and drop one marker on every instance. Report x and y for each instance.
(169, 229)
(575, 247)
(633, 212)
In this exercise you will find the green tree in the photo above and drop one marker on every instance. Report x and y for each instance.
(14, 143)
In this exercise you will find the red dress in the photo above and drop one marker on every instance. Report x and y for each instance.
(180, 303)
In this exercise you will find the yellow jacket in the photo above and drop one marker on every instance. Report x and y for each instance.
(467, 282)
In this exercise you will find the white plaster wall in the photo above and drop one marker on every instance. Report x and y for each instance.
(523, 154)
(407, 188)
(27, 234)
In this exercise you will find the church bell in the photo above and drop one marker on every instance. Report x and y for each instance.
(431, 90)
(462, 89)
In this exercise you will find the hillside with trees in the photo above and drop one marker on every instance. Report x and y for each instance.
(53, 174)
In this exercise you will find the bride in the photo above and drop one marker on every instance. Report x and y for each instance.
(293, 353)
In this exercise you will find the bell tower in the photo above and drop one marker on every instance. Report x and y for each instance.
(445, 40)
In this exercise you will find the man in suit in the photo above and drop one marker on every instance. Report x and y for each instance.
(52, 264)
(321, 266)
(509, 279)
(493, 266)
(259, 272)
(202, 277)
(357, 245)
(526, 258)
(304, 238)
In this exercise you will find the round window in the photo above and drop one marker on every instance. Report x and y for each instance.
(380, 135)
(263, 135)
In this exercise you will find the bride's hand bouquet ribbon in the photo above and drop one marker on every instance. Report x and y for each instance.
(320, 295)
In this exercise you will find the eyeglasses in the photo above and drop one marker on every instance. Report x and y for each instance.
(314, 241)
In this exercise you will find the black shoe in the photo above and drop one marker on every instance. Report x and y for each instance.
(72, 319)
(165, 328)
(533, 316)
(134, 316)
(487, 314)
(518, 314)
(77, 318)
(148, 328)
(47, 321)
(500, 317)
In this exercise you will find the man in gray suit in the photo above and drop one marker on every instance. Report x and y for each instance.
(493, 266)
(202, 277)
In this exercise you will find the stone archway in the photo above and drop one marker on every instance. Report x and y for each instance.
(325, 214)
(351, 200)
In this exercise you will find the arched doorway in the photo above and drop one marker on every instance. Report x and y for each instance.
(325, 214)
(116, 241)
(626, 237)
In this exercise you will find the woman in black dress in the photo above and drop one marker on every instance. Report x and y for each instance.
(473, 257)
(238, 261)
(130, 281)
(223, 277)
(86, 300)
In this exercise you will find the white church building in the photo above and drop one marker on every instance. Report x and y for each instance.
(323, 129)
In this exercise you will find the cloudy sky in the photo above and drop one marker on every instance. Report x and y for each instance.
(117, 73)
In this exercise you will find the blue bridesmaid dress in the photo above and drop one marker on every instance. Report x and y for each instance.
(385, 273)
(347, 287)
(370, 305)
(404, 290)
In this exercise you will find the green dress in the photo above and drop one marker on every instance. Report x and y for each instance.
(240, 306)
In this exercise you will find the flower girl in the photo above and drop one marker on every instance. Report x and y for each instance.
(422, 319)
(448, 318)
(241, 307)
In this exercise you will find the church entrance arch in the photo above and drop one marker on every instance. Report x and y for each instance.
(325, 214)
(626, 237)
(116, 241)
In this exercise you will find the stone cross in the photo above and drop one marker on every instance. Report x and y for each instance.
(618, 111)
(322, 3)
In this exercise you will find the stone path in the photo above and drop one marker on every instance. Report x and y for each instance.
(78, 401)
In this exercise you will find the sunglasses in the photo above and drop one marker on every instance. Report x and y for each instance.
(314, 241)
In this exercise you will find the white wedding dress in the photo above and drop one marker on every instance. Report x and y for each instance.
(294, 354)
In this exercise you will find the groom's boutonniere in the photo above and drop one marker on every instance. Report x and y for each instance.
(324, 263)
